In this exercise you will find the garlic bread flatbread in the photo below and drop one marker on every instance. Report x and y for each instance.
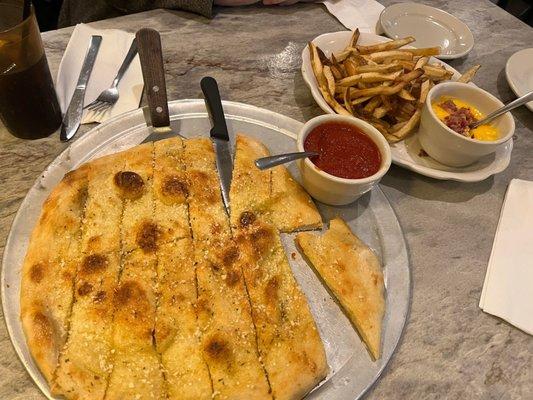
(49, 269)
(273, 192)
(353, 273)
(228, 340)
(138, 285)
(287, 335)
(286, 331)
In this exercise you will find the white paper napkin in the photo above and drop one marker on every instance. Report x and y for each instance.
(362, 14)
(114, 47)
(508, 287)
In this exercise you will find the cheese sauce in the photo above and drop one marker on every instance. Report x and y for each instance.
(457, 114)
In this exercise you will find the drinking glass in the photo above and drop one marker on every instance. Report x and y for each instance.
(28, 104)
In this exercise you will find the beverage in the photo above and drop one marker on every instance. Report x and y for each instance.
(28, 102)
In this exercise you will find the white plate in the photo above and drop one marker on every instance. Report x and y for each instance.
(371, 217)
(429, 26)
(519, 73)
(406, 152)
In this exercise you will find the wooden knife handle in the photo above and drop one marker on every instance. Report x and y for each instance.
(151, 56)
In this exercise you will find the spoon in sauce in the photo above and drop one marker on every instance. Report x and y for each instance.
(508, 107)
(272, 161)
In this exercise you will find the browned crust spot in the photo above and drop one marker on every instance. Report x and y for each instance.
(230, 256)
(247, 218)
(271, 289)
(130, 184)
(202, 306)
(204, 187)
(85, 288)
(37, 272)
(232, 277)
(262, 240)
(100, 296)
(93, 263)
(218, 349)
(43, 327)
(147, 236)
(174, 187)
(130, 292)
(216, 228)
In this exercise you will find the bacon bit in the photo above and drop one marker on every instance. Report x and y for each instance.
(460, 121)
(293, 255)
(449, 106)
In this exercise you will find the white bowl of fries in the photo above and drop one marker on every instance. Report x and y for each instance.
(374, 79)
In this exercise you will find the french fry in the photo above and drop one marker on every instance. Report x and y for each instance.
(354, 38)
(380, 112)
(368, 77)
(386, 100)
(371, 105)
(346, 98)
(397, 126)
(395, 54)
(330, 80)
(386, 90)
(318, 69)
(337, 72)
(404, 94)
(407, 108)
(383, 68)
(469, 74)
(408, 65)
(332, 102)
(337, 69)
(350, 66)
(316, 64)
(437, 72)
(393, 44)
(343, 55)
(359, 100)
(411, 75)
(423, 51)
(424, 89)
(323, 58)
(421, 62)
(409, 126)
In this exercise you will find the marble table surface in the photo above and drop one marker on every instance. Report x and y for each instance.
(450, 349)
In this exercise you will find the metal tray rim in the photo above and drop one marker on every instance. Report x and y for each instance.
(287, 121)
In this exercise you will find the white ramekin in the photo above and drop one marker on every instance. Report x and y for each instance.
(330, 189)
(449, 147)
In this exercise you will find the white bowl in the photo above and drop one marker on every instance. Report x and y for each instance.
(449, 147)
(333, 190)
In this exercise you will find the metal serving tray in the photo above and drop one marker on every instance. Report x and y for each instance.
(352, 372)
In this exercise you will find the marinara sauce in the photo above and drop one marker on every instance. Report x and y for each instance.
(344, 150)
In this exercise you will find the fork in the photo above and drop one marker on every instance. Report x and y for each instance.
(110, 96)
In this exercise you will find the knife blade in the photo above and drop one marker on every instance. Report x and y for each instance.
(151, 56)
(72, 118)
(219, 136)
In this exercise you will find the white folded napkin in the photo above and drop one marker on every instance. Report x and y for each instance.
(362, 14)
(113, 50)
(508, 287)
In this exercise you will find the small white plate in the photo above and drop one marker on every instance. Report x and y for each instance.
(406, 153)
(519, 73)
(429, 26)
